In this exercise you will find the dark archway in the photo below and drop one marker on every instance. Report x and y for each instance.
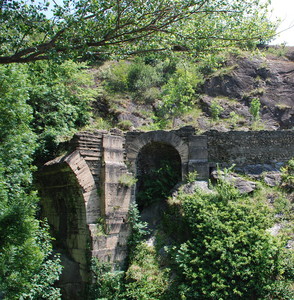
(159, 169)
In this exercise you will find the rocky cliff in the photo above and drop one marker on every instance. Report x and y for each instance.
(267, 76)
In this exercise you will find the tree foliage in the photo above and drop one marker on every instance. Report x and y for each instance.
(60, 96)
(90, 28)
(27, 266)
(106, 282)
(39, 103)
(179, 93)
(255, 109)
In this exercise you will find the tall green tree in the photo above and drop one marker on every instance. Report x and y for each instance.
(27, 266)
(90, 28)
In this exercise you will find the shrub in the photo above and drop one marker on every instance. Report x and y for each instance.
(255, 108)
(138, 228)
(156, 185)
(28, 268)
(180, 91)
(106, 283)
(127, 180)
(192, 176)
(234, 117)
(151, 94)
(60, 96)
(230, 254)
(142, 77)
(125, 124)
(216, 110)
(288, 175)
(117, 77)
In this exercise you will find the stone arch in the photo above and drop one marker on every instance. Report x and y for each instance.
(134, 147)
(87, 183)
(158, 168)
(70, 202)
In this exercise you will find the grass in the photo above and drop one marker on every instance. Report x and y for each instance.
(99, 123)
(282, 106)
(257, 125)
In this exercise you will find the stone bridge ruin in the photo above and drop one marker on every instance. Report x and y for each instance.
(85, 194)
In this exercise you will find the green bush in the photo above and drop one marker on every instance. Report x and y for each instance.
(60, 97)
(125, 124)
(210, 63)
(156, 184)
(192, 176)
(255, 109)
(179, 93)
(137, 227)
(288, 175)
(234, 118)
(230, 254)
(151, 94)
(28, 269)
(117, 77)
(216, 109)
(127, 180)
(106, 283)
(142, 77)
(135, 77)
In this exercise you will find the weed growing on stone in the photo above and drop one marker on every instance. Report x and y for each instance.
(127, 180)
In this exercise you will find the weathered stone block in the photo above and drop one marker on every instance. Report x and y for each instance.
(202, 168)
(99, 242)
(113, 226)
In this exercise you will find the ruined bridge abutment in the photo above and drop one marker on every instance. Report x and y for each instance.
(86, 199)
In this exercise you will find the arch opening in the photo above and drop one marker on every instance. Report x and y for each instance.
(159, 169)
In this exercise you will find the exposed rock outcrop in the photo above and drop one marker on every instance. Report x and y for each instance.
(270, 79)
(244, 186)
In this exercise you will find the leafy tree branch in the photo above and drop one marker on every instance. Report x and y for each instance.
(82, 28)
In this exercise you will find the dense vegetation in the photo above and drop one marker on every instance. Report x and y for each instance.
(25, 246)
(210, 245)
(45, 100)
(40, 103)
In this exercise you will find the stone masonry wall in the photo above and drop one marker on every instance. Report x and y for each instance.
(250, 148)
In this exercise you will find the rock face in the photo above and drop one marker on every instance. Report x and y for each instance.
(270, 79)
(85, 195)
(272, 178)
(244, 186)
(190, 188)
